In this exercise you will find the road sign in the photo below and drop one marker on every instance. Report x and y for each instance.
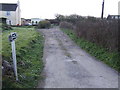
(12, 38)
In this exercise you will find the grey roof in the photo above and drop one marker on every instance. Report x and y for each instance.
(8, 7)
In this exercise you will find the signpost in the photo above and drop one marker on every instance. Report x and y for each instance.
(12, 38)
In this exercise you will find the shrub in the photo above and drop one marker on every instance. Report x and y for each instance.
(5, 27)
(67, 25)
(102, 32)
(44, 24)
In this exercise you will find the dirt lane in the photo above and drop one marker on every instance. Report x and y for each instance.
(68, 66)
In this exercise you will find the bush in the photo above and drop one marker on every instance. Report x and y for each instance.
(102, 32)
(66, 25)
(44, 24)
(5, 27)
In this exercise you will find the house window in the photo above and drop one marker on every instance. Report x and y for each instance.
(8, 13)
(9, 22)
(116, 17)
(36, 22)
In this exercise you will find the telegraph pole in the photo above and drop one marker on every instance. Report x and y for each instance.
(102, 9)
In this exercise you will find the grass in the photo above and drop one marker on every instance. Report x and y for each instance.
(110, 58)
(24, 37)
(0, 43)
(29, 50)
(0, 38)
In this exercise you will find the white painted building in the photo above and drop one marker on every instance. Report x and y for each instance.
(11, 11)
(35, 21)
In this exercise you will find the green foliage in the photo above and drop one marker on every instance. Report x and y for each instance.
(25, 35)
(59, 17)
(110, 58)
(29, 47)
(44, 24)
(27, 26)
(5, 27)
(71, 19)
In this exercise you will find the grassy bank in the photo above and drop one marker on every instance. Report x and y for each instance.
(110, 58)
(29, 50)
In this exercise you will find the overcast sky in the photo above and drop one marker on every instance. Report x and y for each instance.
(48, 8)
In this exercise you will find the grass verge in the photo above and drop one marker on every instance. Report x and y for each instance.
(29, 50)
(110, 58)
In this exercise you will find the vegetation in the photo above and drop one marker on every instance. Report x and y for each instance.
(5, 27)
(102, 32)
(66, 25)
(29, 50)
(0, 38)
(110, 58)
(44, 24)
(97, 36)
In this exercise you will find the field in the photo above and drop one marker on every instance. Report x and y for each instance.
(29, 50)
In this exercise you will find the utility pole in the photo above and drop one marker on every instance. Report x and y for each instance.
(102, 9)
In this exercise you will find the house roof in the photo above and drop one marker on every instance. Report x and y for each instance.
(113, 17)
(8, 7)
(27, 19)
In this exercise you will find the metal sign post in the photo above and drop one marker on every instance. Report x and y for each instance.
(12, 38)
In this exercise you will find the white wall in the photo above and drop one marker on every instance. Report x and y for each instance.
(14, 17)
(18, 16)
(11, 17)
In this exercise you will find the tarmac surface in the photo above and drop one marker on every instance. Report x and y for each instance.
(68, 66)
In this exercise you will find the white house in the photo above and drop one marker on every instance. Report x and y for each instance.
(35, 21)
(11, 11)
